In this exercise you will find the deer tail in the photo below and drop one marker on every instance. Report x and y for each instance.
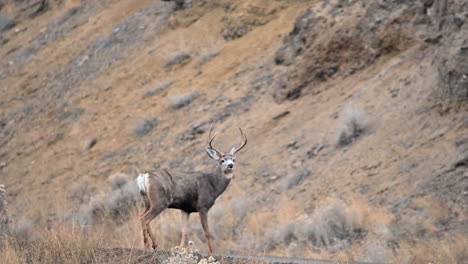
(142, 182)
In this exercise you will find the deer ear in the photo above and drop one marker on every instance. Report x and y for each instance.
(233, 150)
(212, 153)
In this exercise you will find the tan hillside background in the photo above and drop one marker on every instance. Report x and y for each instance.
(356, 114)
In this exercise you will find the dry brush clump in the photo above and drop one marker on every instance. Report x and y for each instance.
(353, 124)
(115, 203)
(333, 227)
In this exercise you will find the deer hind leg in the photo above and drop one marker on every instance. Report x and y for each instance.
(204, 222)
(185, 220)
(145, 223)
(144, 228)
(145, 235)
(147, 204)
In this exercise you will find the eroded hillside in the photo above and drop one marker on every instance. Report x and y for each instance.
(355, 111)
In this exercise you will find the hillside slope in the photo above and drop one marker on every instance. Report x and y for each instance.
(356, 114)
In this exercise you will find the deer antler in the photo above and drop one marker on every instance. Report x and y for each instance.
(244, 138)
(211, 138)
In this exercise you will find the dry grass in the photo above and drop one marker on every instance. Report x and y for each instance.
(448, 251)
(56, 246)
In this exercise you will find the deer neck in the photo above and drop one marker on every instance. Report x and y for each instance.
(220, 180)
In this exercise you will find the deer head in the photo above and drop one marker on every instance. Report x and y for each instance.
(226, 161)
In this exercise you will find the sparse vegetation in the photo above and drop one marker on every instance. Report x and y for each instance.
(353, 124)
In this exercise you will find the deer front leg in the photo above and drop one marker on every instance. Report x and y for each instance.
(204, 222)
(185, 222)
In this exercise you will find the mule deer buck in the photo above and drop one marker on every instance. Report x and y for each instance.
(189, 192)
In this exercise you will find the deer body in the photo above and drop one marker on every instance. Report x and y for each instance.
(190, 192)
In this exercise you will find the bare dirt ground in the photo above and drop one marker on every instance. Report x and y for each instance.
(356, 114)
(143, 257)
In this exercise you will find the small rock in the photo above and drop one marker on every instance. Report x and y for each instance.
(459, 19)
(293, 145)
(281, 115)
(91, 144)
(2, 165)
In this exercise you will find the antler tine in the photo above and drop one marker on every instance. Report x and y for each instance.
(244, 138)
(211, 138)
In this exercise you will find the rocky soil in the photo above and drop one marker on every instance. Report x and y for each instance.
(356, 114)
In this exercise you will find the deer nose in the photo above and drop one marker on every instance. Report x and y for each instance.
(230, 166)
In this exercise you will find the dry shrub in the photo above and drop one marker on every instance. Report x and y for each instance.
(179, 101)
(23, 230)
(376, 252)
(282, 237)
(333, 227)
(353, 124)
(117, 203)
(83, 192)
(56, 246)
(145, 127)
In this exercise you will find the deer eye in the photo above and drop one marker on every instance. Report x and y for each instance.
(233, 160)
(222, 161)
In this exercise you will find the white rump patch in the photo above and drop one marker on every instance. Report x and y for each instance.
(142, 181)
